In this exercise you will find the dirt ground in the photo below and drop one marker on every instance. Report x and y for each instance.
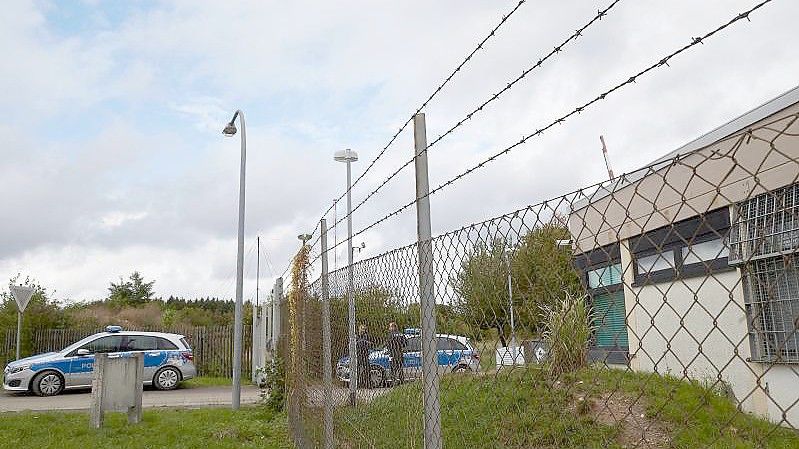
(629, 413)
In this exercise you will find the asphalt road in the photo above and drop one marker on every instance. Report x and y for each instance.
(81, 400)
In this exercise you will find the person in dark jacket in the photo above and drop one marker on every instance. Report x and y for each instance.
(395, 343)
(363, 345)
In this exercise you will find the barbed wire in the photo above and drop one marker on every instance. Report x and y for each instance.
(438, 89)
(557, 49)
(632, 79)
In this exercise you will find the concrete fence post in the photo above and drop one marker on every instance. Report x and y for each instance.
(276, 304)
(430, 381)
(96, 412)
(117, 385)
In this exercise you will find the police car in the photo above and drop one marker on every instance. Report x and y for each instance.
(455, 354)
(168, 360)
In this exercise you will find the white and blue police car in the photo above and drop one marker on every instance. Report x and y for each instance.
(455, 354)
(168, 360)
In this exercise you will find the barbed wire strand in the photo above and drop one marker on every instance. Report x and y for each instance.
(632, 79)
(424, 104)
(557, 49)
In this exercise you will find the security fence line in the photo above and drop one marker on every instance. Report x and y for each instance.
(657, 309)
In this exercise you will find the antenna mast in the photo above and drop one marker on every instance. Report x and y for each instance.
(605, 154)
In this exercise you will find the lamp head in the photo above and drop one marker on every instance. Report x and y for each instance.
(563, 243)
(230, 129)
(345, 156)
(304, 237)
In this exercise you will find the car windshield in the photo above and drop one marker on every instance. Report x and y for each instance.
(79, 343)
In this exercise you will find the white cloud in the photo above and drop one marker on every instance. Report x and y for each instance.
(111, 137)
(117, 218)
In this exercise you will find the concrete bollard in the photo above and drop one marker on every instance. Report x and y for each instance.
(117, 386)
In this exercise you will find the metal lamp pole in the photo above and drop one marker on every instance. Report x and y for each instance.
(348, 156)
(230, 130)
(510, 302)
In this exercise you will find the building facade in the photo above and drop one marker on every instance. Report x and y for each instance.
(692, 263)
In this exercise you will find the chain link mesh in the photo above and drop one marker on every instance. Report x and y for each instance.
(656, 310)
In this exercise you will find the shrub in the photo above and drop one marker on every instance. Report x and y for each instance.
(274, 384)
(567, 332)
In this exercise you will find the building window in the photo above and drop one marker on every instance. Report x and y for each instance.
(771, 292)
(692, 247)
(655, 263)
(764, 242)
(704, 252)
(605, 276)
(766, 226)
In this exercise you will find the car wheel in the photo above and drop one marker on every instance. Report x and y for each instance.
(48, 383)
(166, 378)
(377, 376)
(461, 369)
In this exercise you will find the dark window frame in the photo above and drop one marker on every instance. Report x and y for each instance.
(599, 258)
(712, 225)
(602, 257)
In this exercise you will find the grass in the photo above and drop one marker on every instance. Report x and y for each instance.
(168, 428)
(208, 381)
(699, 415)
(523, 408)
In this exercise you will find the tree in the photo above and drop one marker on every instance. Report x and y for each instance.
(541, 274)
(134, 291)
(482, 289)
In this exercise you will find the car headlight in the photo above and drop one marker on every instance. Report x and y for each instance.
(17, 369)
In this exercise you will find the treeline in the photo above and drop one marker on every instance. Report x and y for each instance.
(130, 303)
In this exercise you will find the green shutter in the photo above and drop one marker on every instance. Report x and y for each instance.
(609, 313)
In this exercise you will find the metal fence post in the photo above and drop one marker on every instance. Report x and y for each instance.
(430, 381)
(327, 364)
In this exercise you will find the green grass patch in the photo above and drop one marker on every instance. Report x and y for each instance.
(209, 381)
(252, 427)
(523, 408)
(699, 415)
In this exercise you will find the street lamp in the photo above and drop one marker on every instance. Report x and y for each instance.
(348, 156)
(230, 130)
(359, 248)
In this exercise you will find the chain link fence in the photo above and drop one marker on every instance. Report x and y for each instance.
(659, 309)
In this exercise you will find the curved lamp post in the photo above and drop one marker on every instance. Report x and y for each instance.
(230, 130)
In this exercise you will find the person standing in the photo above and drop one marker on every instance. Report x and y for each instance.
(363, 345)
(395, 343)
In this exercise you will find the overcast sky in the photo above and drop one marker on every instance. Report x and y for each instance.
(111, 111)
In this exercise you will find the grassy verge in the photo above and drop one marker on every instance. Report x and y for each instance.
(592, 409)
(207, 381)
(185, 429)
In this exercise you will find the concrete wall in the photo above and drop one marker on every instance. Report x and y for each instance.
(697, 328)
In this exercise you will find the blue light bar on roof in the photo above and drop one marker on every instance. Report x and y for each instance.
(113, 329)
